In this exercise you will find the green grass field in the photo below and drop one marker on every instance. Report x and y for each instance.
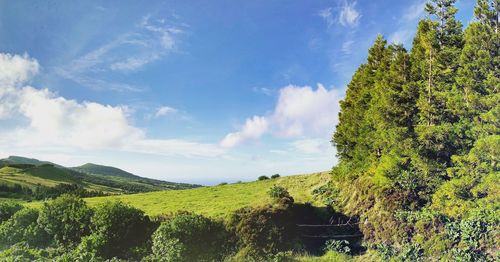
(218, 201)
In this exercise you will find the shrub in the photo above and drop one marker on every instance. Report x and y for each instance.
(23, 253)
(471, 237)
(117, 229)
(190, 237)
(265, 230)
(386, 252)
(275, 176)
(22, 226)
(327, 194)
(262, 178)
(341, 246)
(7, 209)
(277, 192)
(66, 219)
(280, 195)
(411, 252)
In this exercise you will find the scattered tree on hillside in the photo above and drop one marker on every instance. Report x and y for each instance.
(260, 178)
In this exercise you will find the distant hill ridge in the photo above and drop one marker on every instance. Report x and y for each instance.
(32, 173)
(104, 170)
(15, 160)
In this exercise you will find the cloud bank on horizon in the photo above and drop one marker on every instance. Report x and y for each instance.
(170, 91)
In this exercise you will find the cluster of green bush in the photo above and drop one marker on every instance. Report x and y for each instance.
(260, 178)
(66, 229)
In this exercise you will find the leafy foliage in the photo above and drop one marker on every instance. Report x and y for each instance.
(23, 227)
(265, 230)
(66, 219)
(7, 209)
(190, 237)
(341, 246)
(110, 218)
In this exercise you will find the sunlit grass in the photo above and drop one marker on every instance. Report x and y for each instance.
(217, 201)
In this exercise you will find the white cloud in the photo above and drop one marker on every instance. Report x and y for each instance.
(254, 128)
(52, 121)
(15, 69)
(299, 112)
(349, 16)
(164, 110)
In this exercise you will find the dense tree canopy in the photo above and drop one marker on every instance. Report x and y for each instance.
(419, 131)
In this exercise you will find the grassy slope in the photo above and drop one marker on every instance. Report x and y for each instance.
(51, 173)
(218, 201)
(30, 178)
(46, 176)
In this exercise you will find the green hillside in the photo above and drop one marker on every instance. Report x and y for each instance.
(27, 178)
(219, 201)
(31, 177)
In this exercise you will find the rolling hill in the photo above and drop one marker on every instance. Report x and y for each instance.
(219, 201)
(104, 170)
(32, 174)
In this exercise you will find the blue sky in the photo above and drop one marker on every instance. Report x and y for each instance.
(191, 91)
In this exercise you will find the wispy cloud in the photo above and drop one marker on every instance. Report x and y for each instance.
(346, 15)
(150, 41)
(163, 111)
(347, 46)
(327, 15)
(415, 10)
(263, 90)
(349, 15)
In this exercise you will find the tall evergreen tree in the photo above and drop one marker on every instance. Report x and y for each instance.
(354, 133)
(478, 77)
(434, 57)
(487, 12)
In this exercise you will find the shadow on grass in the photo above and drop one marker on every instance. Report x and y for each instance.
(316, 225)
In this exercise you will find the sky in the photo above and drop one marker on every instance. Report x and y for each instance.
(190, 91)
